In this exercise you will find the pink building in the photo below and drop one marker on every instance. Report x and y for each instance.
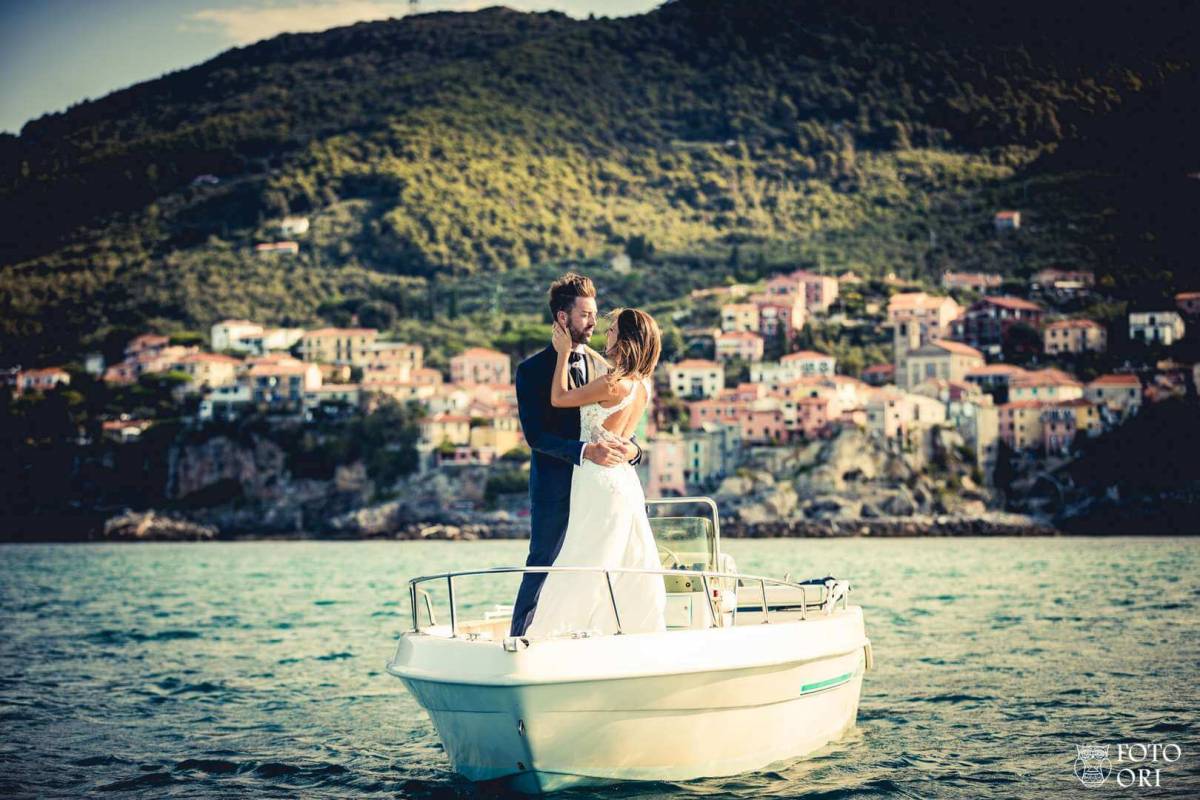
(146, 343)
(812, 416)
(667, 457)
(820, 291)
(780, 313)
(42, 379)
(931, 313)
(879, 374)
(480, 365)
(1188, 303)
(739, 344)
(762, 422)
(971, 281)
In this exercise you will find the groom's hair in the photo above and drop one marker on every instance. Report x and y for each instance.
(564, 291)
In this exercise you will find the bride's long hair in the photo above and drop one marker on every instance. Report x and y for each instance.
(638, 346)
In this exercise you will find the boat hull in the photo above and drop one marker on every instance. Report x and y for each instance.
(673, 706)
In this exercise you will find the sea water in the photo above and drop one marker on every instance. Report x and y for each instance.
(257, 669)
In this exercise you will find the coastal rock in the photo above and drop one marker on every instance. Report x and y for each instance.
(152, 526)
(735, 486)
(829, 508)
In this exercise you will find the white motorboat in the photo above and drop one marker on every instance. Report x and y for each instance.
(750, 671)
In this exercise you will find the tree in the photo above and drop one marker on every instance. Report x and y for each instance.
(377, 314)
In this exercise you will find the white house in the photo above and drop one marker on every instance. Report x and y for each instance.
(1164, 327)
(294, 226)
(226, 333)
(696, 378)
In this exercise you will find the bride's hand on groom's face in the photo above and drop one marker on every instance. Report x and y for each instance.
(561, 339)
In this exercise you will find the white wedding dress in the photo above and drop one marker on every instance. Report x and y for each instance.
(607, 528)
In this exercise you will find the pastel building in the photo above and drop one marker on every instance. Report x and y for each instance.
(481, 365)
(931, 314)
(995, 378)
(1007, 220)
(1120, 394)
(739, 317)
(1046, 385)
(1063, 281)
(338, 345)
(228, 333)
(1188, 303)
(1063, 422)
(820, 291)
(41, 379)
(738, 345)
(1156, 327)
(667, 458)
(940, 358)
(1021, 424)
(446, 427)
(710, 452)
(280, 381)
(780, 314)
(209, 370)
(1074, 336)
(971, 281)
(792, 367)
(987, 323)
(267, 340)
(897, 415)
(696, 378)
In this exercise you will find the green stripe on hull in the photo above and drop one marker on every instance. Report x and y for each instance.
(825, 684)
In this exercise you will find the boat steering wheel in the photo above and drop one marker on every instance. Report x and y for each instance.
(664, 553)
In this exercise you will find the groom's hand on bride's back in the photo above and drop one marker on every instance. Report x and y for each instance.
(606, 453)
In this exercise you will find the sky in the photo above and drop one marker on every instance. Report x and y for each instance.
(55, 53)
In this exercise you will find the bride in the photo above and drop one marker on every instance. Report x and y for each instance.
(607, 526)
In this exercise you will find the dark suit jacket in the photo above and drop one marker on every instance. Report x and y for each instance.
(553, 436)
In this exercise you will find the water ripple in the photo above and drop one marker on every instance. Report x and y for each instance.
(256, 668)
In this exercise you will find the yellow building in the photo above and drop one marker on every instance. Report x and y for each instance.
(338, 345)
(209, 370)
(940, 358)
(739, 317)
(453, 428)
(1021, 424)
(1074, 336)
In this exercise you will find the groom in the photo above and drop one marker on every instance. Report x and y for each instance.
(553, 435)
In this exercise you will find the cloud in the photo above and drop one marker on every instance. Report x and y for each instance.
(246, 24)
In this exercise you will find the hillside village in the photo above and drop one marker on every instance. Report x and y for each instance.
(997, 364)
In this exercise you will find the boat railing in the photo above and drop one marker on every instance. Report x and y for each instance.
(832, 590)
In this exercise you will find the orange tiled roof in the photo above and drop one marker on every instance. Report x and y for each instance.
(804, 355)
(1074, 323)
(214, 358)
(1005, 301)
(340, 332)
(481, 352)
(956, 347)
(997, 369)
(1116, 380)
(1046, 377)
(695, 363)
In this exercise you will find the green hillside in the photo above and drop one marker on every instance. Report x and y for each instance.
(450, 162)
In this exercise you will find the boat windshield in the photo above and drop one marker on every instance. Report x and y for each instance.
(684, 541)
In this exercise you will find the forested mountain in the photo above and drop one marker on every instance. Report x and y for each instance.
(445, 149)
